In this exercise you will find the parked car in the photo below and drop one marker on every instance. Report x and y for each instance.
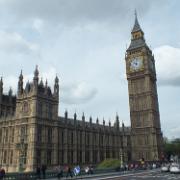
(165, 168)
(174, 168)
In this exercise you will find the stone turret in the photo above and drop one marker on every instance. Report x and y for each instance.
(1, 89)
(36, 79)
(90, 120)
(20, 84)
(75, 116)
(117, 122)
(97, 121)
(56, 87)
(66, 114)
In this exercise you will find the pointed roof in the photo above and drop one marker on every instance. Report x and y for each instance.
(1, 81)
(21, 75)
(136, 24)
(36, 72)
(137, 41)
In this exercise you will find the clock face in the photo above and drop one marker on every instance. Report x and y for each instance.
(136, 64)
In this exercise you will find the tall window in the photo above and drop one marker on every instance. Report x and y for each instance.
(11, 156)
(39, 134)
(12, 137)
(40, 107)
(0, 135)
(80, 137)
(49, 135)
(49, 111)
(87, 139)
(5, 157)
(49, 159)
(94, 139)
(6, 137)
(72, 137)
(62, 140)
(38, 157)
(23, 133)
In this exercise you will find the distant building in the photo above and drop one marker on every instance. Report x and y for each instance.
(32, 133)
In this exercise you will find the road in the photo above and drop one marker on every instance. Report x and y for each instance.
(142, 176)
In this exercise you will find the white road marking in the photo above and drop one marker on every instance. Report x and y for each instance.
(124, 175)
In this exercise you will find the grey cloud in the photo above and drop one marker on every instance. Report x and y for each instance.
(171, 81)
(77, 11)
(77, 93)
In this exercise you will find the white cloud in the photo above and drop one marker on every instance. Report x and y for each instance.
(70, 93)
(12, 42)
(12, 81)
(38, 24)
(77, 93)
(168, 65)
(174, 132)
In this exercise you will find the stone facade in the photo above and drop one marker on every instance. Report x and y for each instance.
(146, 136)
(33, 134)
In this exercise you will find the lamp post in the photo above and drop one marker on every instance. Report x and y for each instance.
(22, 146)
(121, 159)
(2, 150)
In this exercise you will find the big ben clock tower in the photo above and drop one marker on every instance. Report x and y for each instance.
(146, 136)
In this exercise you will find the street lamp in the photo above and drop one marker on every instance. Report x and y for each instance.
(22, 147)
(2, 151)
(121, 159)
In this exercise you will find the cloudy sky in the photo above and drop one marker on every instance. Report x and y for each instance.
(84, 43)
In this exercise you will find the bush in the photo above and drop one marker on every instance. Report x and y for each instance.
(109, 163)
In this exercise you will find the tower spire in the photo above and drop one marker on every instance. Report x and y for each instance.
(137, 36)
(136, 24)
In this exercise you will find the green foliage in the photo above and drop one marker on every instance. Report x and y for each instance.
(109, 163)
(172, 147)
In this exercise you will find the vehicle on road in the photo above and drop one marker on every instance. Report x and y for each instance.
(165, 168)
(174, 168)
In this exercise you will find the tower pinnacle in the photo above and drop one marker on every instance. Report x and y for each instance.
(137, 36)
(136, 24)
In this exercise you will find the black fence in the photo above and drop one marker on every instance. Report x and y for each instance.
(52, 174)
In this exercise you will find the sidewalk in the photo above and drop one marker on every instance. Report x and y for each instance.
(92, 175)
(103, 175)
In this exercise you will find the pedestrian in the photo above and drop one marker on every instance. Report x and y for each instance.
(77, 170)
(86, 169)
(43, 169)
(59, 172)
(38, 172)
(69, 172)
(2, 173)
(91, 170)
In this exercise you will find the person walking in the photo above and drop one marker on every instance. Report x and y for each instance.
(59, 172)
(2, 173)
(69, 172)
(38, 172)
(43, 169)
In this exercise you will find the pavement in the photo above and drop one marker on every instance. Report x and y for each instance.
(156, 175)
(143, 175)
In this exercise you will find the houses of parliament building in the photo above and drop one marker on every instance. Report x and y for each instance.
(32, 133)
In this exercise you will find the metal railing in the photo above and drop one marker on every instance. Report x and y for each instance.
(51, 174)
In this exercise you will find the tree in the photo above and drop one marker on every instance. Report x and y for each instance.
(171, 147)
